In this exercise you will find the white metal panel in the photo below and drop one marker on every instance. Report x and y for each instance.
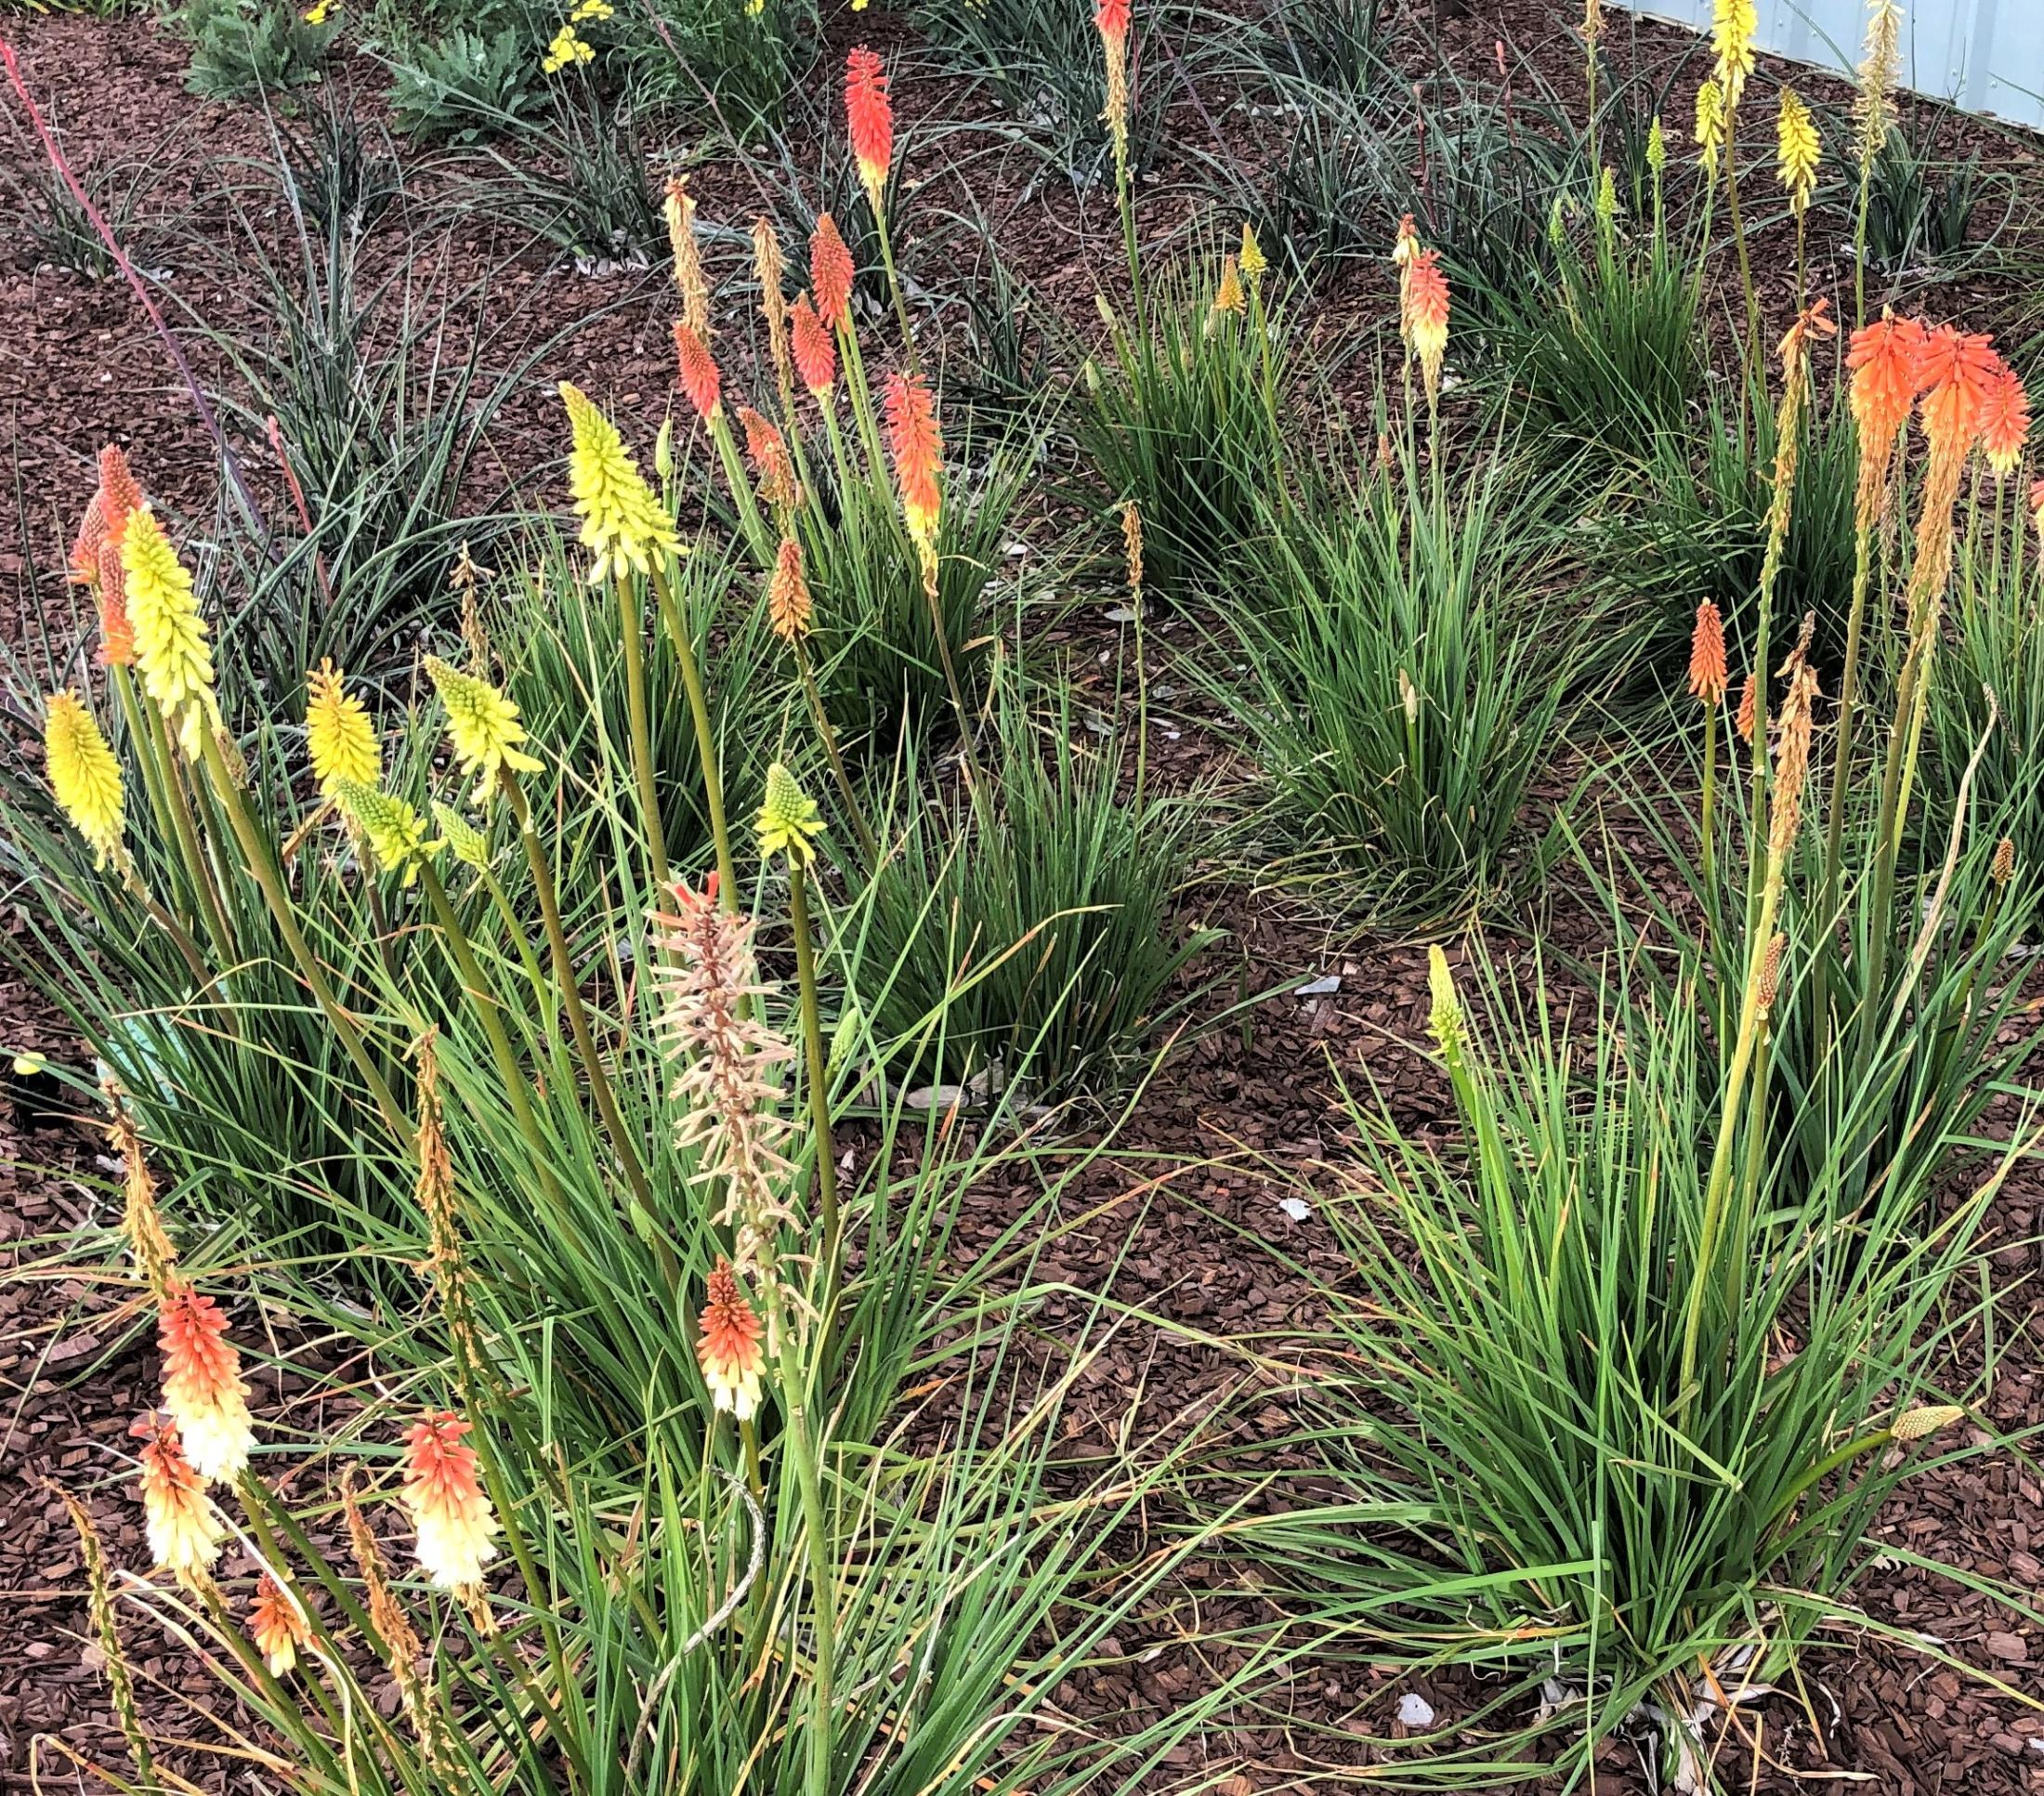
(1986, 56)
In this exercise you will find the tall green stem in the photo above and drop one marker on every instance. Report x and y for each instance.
(1753, 359)
(706, 745)
(484, 1002)
(570, 992)
(819, 1094)
(632, 626)
(256, 854)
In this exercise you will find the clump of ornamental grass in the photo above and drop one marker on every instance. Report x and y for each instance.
(1028, 932)
(1387, 674)
(1607, 346)
(1693, 523)
(1179, 413)
(1885, 900)
(1568, 1443)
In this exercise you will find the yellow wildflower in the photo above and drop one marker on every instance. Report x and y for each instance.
(83, 774)
(622, 524)
(339, 738)
(170, 635)
(1228, 296)
(1874, 105)
(1657, 147)
(394, 831)
(566, 47)
(316, 14)
(482, 725)
(788, 820)
(1797, 152)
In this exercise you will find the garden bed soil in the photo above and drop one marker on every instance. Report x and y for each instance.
(1252, 1108)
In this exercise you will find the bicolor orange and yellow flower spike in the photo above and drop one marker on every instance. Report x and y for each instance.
(204, 1389)
(729, 1349)
(183, 1526)
(443, 1493)
(869, 115)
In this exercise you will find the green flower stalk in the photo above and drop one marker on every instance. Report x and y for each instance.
(485, 734)
(628, 532)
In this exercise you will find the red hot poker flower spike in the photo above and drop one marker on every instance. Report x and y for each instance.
(869, 116)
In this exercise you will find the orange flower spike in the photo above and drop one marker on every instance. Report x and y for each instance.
(768, 454)
(789, 607)
(1956, 371)
(184, 1529)
(1112, 18)
(1748, 704)
(445, 1499)
(869, 117)
(91, 538)
(2036, 506)
(831, 274)
(2005, 421)
(1885, 361)
(700, 378)
(117, 495)
(276, 1627)
(918, 452)
(1427, 316)
(815, 355)
(729, 1351)
(204, 1389)
(1708, 678)
(116, 630)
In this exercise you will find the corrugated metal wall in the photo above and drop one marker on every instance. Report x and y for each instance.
(1986, 56)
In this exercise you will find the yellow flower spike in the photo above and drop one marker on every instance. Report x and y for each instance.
(1251, 260)
(1797, 152)
(170, 635)
(623, 526)
(1709, 125)
(1733, 23)
(339, 738)
(1445, 1019)
(482, 725)
(467, 843)
(394, 831)
(789, 822)
(83, 774)
(1657, 147)
(1608, 198)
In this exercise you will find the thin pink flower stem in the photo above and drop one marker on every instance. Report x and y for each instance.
(135, 280)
